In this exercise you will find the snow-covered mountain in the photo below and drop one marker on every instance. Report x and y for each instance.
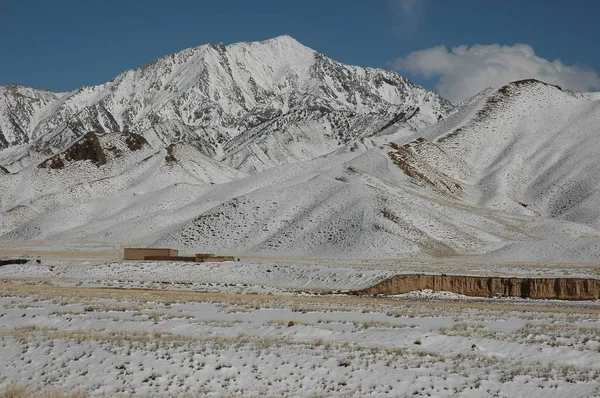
(251, 105)
(511, 175)
(272, 148)
(526, 148)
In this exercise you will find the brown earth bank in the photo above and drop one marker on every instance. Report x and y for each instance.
(478, 286)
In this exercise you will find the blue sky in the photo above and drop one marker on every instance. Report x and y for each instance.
(61, 45)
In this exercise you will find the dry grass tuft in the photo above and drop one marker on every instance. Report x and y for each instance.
(23, 391)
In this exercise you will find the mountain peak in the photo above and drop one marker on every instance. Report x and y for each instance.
(524, 83)
(227, 98)
(283, 39)
(281, 43)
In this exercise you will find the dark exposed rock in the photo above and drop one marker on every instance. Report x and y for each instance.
(170, 157)
(89, 148)
(134, 141)
(86, 148)
(414, 165)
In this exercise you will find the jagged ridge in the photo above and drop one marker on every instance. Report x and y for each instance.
(214, 93)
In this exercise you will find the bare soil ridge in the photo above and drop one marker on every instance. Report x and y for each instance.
(478, 286)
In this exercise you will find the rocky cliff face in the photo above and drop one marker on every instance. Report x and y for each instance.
(89, 148)
(21, 108)
(214, 94)
(534, 288)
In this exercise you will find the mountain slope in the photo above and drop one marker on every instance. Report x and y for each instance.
(407, 199)
(99, 171)
(214, 93)
(527, 148)
(513, 175)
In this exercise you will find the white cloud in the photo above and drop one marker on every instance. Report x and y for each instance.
(408, 6)
(408, 12)
(465, 70)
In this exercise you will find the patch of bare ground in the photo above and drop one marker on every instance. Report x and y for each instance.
(232, 302)
(114, 255)
(25, 391)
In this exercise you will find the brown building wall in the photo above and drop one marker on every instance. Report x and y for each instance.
(211, 258)
(142, 253)
(170, 258)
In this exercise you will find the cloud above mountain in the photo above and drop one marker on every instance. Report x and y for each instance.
(408, 5)
(408, 14)
(464, 71)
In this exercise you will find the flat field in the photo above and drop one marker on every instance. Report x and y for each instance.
(260, 328)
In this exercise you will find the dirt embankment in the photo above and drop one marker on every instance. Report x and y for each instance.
(477, 286)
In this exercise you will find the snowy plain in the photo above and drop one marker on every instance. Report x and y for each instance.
(280, 328)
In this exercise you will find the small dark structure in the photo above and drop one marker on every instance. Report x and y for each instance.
(14, 261)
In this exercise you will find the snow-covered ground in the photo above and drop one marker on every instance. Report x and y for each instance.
(166, 342)
(281, 274)
(243, 275)
(272, 327)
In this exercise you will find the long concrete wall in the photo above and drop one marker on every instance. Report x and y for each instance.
(477, 286)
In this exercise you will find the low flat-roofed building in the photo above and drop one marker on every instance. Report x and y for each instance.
(141, 253)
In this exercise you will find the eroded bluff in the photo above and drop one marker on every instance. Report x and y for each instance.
(478, 286)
